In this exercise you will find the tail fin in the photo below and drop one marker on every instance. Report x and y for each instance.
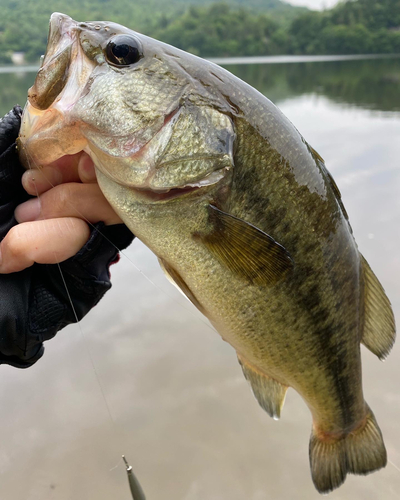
(359, 452)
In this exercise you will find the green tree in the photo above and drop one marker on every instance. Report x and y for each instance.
(342, 39)
(218, 30)
(304, 33)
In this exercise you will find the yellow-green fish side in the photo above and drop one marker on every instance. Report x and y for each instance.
(241, 212)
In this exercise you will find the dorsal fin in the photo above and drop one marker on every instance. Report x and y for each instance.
(379, 326)
(331, 181)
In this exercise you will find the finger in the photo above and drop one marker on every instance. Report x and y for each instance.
(36, 182)
(86, 169)
(69, 168)
(65, 169)
(85, 201)
(44, 242)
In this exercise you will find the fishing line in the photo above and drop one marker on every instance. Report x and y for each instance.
(80, 326)
(393, 464)
(116, 431)
(86, 343)
(116, 466)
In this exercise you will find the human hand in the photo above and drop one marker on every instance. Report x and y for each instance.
(53, 225)
(41, 299)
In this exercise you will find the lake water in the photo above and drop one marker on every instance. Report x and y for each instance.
(145, 376)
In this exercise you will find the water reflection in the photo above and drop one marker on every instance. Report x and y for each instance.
(13, 89)
(166, 391)
(370, 84)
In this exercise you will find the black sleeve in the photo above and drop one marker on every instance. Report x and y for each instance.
(39, 301)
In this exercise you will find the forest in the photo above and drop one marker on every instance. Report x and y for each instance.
(209, 29)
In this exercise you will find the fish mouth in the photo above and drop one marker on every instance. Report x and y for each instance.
(155, 196)
(168, 194)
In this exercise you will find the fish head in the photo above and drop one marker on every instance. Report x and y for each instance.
(142, 110)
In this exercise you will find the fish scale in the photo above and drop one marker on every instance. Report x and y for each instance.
(242, 213)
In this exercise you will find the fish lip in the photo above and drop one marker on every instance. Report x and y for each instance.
(61, 27)
(163, 196)
(52, 75)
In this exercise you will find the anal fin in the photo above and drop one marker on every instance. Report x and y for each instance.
(269, 393)
(379, 326)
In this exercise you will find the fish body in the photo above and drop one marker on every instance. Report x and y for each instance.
(241, 212)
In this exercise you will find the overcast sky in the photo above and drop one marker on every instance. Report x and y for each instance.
(314, 4)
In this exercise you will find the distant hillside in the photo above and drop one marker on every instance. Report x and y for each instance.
(352, 27)
(373, 14)
(231, 28)
(258, 5)
(24, 24)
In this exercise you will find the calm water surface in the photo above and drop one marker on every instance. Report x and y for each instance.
(147, 377)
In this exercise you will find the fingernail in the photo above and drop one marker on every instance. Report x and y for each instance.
(34, 180)
(86, 169)
(27, 180)
(28, 211)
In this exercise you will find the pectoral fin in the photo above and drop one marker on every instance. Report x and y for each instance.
(269, 392)
(379, 326)
(246, 250)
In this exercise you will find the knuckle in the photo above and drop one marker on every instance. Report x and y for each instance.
(63, 193)
(61, 198)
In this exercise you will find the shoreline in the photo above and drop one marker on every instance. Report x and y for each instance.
(226, 61)
(289, 59)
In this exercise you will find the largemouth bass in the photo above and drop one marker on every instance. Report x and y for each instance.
(242, 213)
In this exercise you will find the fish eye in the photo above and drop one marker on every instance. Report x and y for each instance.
(123, 50)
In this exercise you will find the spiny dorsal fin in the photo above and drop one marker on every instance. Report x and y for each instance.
(269, 393)
(379, 326)
(321, 163)
(246, 250)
